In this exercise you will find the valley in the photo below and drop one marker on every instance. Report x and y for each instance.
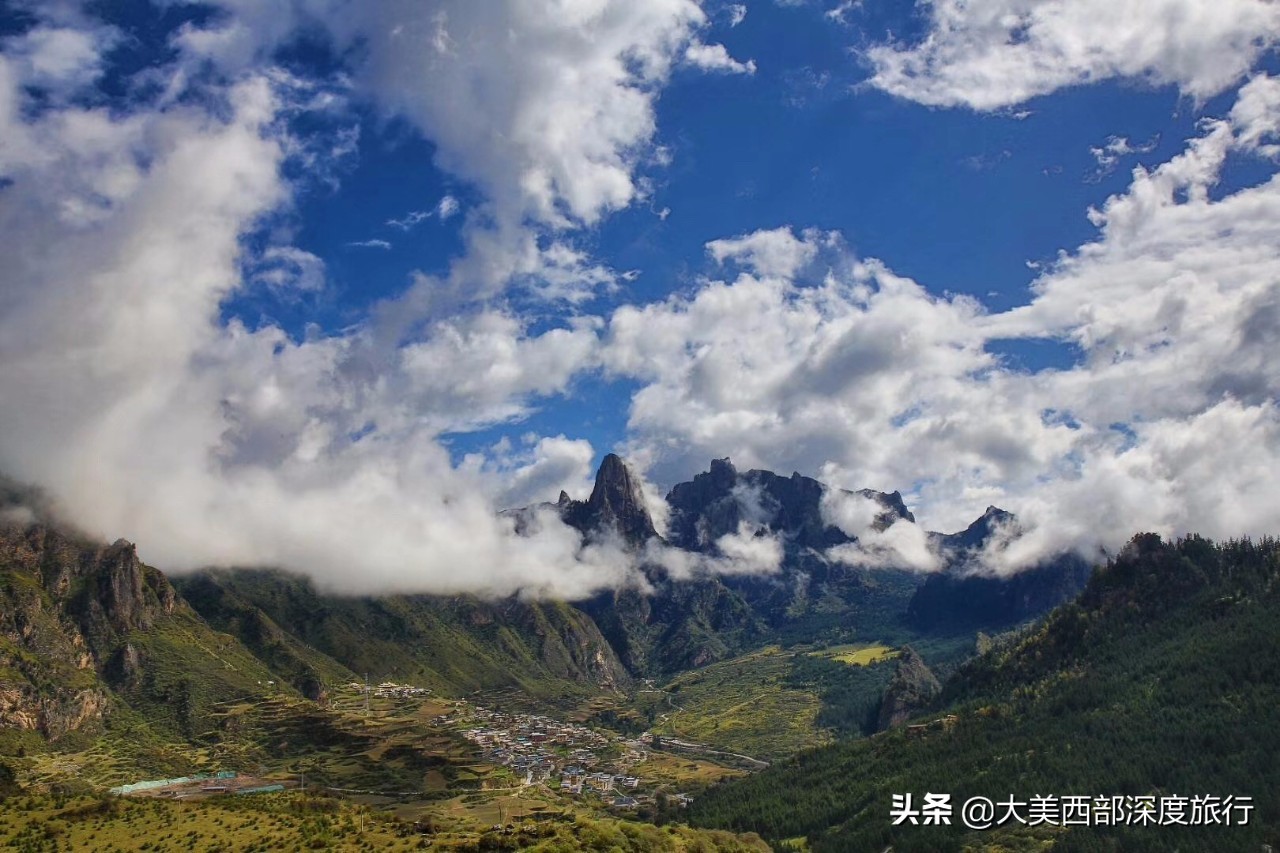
(470, 723)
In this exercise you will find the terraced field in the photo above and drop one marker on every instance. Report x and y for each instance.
(744, 705)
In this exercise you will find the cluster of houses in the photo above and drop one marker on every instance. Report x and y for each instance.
(574, 779)
(390, 690)
(541, 750)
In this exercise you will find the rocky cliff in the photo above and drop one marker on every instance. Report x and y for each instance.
(913, 687)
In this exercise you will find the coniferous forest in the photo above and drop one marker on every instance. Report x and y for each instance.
(1162, 679)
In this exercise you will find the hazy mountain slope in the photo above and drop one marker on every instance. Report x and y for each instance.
(454, 645)
(966, 596)
(1162, 679)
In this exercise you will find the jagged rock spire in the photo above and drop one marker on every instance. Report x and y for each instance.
(616, 502)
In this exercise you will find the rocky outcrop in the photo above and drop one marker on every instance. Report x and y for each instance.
(616, 504)
(52, 713)
(82, 627)
(913, 687)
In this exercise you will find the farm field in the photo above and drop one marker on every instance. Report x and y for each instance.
(857, 655)
(745, 705)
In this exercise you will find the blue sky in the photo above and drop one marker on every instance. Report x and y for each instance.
(433, 255)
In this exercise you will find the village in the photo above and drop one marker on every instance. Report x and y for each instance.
(569, 757)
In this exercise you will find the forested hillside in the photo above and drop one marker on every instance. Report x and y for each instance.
(1162, 679)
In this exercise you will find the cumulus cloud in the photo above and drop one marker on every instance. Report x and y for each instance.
(58, 59)
(901, 544)
(289, 270)
(557, 124)
(149, 417)
(775, 252)
(834, 364)
(714, 57)
(988, 54)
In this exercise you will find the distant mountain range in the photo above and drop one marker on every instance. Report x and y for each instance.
(87, 628)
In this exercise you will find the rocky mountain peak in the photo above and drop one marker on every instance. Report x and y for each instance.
(722, 470)
(616, 502)
(976, 534)
(894, 507)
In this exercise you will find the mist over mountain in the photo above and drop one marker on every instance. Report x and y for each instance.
(691, 598)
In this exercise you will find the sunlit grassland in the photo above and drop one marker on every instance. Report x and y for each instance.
(682, 773)
(857, 655)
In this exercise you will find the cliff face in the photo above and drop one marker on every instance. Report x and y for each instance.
(66, 607)
(84, 626)
(913, 687)
(616, 504)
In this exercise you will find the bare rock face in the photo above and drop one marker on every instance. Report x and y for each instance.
(126, 666)
(65, 605)
(913, 687)
(52, 714)
(616, 504)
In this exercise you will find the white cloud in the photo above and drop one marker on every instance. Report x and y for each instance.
(842, 368)
(901, 545)
(1116, 148)
(841, 12)
(777, 252)
(60, 59)
(444, 209)
(737, 14)
(563, 96)
(538, 470)
(1256, 116)
(123, 234)
(447, 207)
(987, 54)
(557, 123)
(714, 57)
(410, 220)
(749, 550)
(372, 243)
(288, 269)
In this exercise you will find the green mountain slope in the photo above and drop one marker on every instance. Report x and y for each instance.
(86, 628)
(452, 645)
(1162, 679)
